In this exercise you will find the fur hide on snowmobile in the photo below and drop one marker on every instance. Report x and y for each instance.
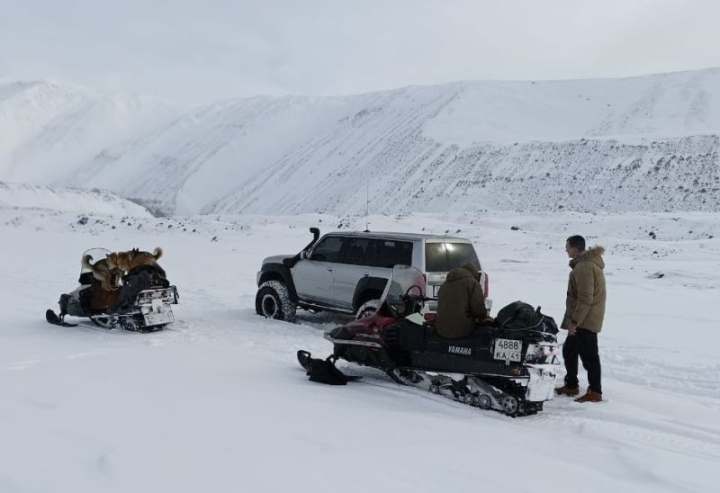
(142, 303)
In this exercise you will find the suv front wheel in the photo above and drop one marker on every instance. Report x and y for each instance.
(273, 301)
(367, 309)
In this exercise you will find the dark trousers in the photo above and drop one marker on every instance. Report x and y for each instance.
(584, 345)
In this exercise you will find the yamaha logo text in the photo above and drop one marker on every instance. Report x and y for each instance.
(465, 351)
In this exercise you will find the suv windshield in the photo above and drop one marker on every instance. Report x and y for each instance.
(443, 257)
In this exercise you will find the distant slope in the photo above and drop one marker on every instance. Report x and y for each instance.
(183, 166)
(17, 196)
(646, 143)
(49, 130)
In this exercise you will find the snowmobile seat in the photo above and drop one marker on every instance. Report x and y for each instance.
(427, 337)
(481, 333)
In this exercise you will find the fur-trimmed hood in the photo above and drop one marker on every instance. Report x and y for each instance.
(593, 255)
(467, 270)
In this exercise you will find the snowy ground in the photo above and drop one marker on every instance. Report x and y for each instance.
(218, 403)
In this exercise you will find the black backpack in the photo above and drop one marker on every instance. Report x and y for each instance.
(323, 370)
(519, 315)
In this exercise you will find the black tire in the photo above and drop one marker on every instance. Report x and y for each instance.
(367, 309)
(273, 301)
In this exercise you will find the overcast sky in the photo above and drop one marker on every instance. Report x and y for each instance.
(204, 50)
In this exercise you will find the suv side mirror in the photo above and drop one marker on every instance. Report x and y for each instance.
(303, 255)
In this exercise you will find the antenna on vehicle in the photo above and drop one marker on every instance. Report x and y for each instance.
(367, 204)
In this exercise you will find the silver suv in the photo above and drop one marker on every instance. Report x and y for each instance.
(346, 272)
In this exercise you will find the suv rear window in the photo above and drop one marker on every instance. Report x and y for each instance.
(443, 257)
(356, 251)
(389, 253)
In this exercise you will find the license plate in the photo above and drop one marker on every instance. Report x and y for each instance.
(508, 350)
(164, 317)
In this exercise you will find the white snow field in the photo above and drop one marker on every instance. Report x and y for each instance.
(218, 402)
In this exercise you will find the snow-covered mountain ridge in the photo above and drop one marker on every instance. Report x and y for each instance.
(639, 144)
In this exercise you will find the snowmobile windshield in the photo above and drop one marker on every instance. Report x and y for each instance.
(97, 254)
(405, 285)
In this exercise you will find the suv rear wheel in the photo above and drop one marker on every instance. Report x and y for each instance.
(368, 308)
(273, 301)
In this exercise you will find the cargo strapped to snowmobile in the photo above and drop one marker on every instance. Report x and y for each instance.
(323, 370)
(522, 316)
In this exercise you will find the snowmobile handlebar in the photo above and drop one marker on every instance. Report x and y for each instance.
(413, 297)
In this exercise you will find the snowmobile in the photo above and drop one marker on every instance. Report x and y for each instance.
(142, 303)
(502, 366)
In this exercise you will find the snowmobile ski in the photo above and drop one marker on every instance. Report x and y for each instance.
(54, 318)
(323, 370)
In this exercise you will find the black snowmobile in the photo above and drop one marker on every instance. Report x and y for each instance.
(142, 303)
(509, 365)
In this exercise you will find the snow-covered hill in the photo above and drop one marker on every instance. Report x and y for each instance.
(21, 197)
(646, 143)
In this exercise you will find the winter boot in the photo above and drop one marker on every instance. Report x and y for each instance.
(590, 396)
(568, 391)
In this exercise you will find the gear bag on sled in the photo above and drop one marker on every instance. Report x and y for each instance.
(520, 315)
(323, 370)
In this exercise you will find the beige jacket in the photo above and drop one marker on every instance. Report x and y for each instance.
(460, 303)
(585, 303)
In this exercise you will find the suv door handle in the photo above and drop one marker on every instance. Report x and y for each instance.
(328, 269)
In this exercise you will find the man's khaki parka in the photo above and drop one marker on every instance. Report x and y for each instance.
(460, 303)
(585, 303)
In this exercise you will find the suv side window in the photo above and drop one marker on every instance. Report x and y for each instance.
(328, 249)
(389, 253)
(356, 251)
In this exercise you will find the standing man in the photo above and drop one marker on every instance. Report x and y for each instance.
(584, 314)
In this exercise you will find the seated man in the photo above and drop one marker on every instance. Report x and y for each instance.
(461, 304)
